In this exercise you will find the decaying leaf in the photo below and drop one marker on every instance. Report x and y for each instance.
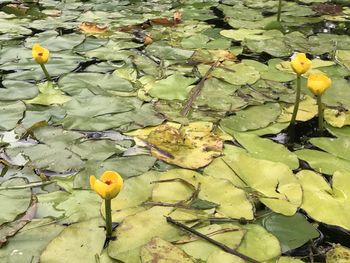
(161, 251)
(191, 146)
(92, 28)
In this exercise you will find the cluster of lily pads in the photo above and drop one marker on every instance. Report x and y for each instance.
(189, 102)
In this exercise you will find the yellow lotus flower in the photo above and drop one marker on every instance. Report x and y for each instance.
(300, 63)
(108, 186)
(40, 54)
(318, 83)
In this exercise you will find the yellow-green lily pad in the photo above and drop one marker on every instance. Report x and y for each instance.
(326, 203)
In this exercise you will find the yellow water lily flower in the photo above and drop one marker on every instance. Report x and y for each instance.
(40, 54)
(300, 63)
(108, 186)
(318, 83)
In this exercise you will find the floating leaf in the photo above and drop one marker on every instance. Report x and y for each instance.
(266, 149)
(191, 146)
(133, 235)
(87, 237)
(49, 94)
(236, 74)
(339, 147)
(337, 118)
(306, 111)
(259, 244)
(338, 254)
(30, 241)
(174, 87)
(11, 113)
(14, 202)
(231, 201)
(229, 235)
(323, 162)
(99, 84)
(252, 118)
(162, 251)
(325, 203)
(273, 183)
(292, 231)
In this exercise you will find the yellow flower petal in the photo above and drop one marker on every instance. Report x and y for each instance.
(318, 83)
(109, 186)
(92, 181)
(101, 189)
(40, 54)
(300, 63)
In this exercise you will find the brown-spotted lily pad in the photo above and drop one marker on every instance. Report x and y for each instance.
(191, 146)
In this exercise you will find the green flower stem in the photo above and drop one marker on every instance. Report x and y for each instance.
(297, 100)
(108, 218)
(45, 72)
(320, 112)
(279, 10)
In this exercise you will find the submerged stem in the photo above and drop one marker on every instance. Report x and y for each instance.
(279, 10)
(108, 218)
(320, 112)
(45, 72)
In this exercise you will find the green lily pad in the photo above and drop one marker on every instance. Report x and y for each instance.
(292, 231)
(323, 162)
(49, 94)
(28, 244)
(236, 74)
(242, 34)
(18, 90)
(174, 87)
(232, 202)
(14, 202)
(274, 184)
(128, 166)
(252, 118)
(54, 42)
(343, 56)
(326, 203)
(219, 95)
(11, 113)
(164, 51)
(339, 147)
(229, 235)
(49, 157)
(99, 84)
(81, 241)
(259, 244)
(133, 235)
(266, 149)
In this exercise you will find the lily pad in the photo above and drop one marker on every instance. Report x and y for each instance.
(99, 84)
(80, 241)
(292, 231)
(326, 203)
(163, 251)
(274, 184)
(11, 114)
(191, 146)
(266, 149)
(339, 147)
(174, 87)
(14, 202)
(252, 118)
(28, 244)
(323, 162)
(133, 235)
